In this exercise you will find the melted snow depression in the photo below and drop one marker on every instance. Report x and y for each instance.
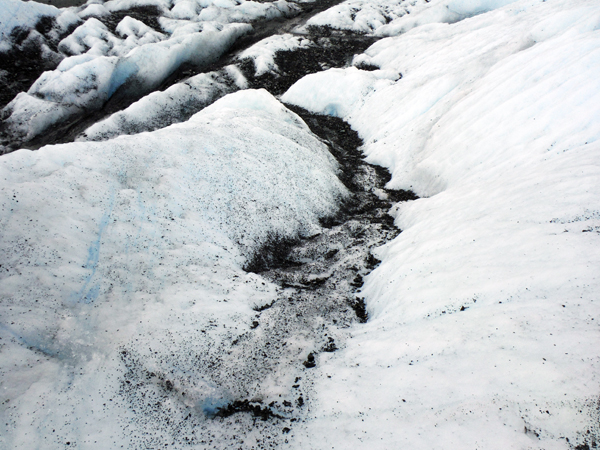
(300, 224)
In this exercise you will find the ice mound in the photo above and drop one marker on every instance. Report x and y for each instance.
(362, 16)
(138, 242)
(446, 11)
(94, 38)
(108, 51)
(337, 92)
(263, 52)
(16, 13)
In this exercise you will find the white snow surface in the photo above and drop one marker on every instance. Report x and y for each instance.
(362, 15)
(390, 17)
(484, 313)
(336, 92)
(228, 11)
(138, 242)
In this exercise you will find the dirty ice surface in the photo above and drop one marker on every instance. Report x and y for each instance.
(161, 108)
(484, 327)
(123, 258)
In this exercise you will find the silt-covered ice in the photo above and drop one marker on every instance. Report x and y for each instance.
(162, 108)
(85, 82)
(123, 276)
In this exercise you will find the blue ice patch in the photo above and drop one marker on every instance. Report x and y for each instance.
(211, 406)
(332, 109)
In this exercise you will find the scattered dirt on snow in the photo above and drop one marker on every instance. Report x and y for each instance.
(21, 67)
(33, 52)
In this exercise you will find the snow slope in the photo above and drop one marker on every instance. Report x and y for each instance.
(484, 313)
(139, 243)
(390, 17)
(263, 52)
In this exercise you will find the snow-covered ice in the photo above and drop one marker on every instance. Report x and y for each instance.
(133, 56)
(337, 92)
(390, 17)
(162, 108)
(85, 82)
(484, 313)
(15, 13)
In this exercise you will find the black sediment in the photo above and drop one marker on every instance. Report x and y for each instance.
(320, 277)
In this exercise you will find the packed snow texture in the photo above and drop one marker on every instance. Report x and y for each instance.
(390, 17)
(138, 242)
(94, 38)
(336, 92)
(20, 19)
(484, 313)
(123, 258)
(223, 11)
(16, 13)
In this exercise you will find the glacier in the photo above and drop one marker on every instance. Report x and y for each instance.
(125, 282)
